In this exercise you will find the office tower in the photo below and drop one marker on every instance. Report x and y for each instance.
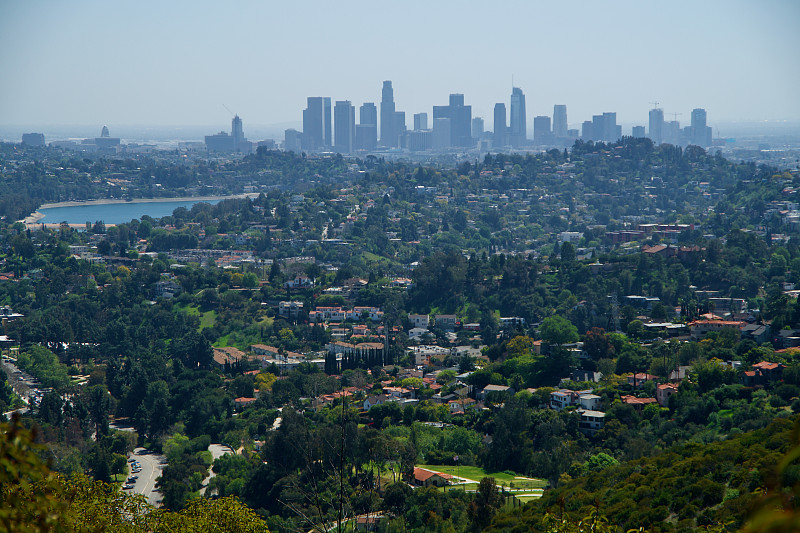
(586, 130)
(317, 123)
(460, 116)
(500, 128)
(560, 121)
(366, 136)
(656, 125)
(344, 115)
(517, 130)
(598, 128)
(388, 131)
(701, 133)
(541, 130)
(368, 114)
(638, 132)
(292, 141)
(610, 130)
(442, 133)
(237, 133)
(477, 128)
(400, 123)
(33, 139)
(420, 121)
(671, 132)
(419, 140)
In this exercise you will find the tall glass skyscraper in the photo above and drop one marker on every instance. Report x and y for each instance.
(560, 121)
(500, 126)
(345, 117)
(656, 125)
(517, 131)
(388, 131)
(317, 123)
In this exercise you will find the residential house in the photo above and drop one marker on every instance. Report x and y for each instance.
(587, 375)
(290, 309)
(762, 373)
(494, 390)
(591, 421)
(380, 399)
(638, 379)
(589, 402)
(664, 391)
(419, 321)
(759, 333)
(166, 289)
(241, 403)
(446, 322)
(563, 398)
(700, 328)
(637, 403)
(429, 478)
(228, 354)
(300, 282)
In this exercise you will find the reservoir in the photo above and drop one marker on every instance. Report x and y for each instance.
(116, 213)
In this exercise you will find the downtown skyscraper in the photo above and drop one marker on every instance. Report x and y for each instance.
(317, 123)
(460, 117)
(560, 130)
(389, 128)
(517, 130)
(500, 125)
(344, 115)
(656, 126)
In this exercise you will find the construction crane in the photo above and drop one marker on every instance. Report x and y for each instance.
(229, 111)
(675, 116)
(655, 105)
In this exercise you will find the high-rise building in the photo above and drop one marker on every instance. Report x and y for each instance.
(638, 132)
(671, 132)
(586, 130)
(442, 133)
(517, 129)
(701, 133)
(500, 128)
(611, 132)
(33, 139)
(598, 127)
(541, 130)
(366, 137)
(560, 121)
(419, 139)
(388, 131)
(237, 133)
(317, 123)
(344, 115)
(292, 141)
(420, 121)
(477, 128)
(460, 116)
(656, 125)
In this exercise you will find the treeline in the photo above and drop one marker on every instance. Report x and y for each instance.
(685, 488)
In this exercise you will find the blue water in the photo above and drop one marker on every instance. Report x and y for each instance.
(113, 213)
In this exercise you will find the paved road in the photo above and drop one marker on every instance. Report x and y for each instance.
(152, 465)
(217, 451)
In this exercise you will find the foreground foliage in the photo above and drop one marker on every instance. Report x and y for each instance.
(34, 499)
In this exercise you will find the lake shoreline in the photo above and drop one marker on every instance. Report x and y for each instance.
(36, 216)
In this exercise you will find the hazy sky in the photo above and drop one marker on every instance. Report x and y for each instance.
(172, 62)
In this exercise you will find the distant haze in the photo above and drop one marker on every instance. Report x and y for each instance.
(177, 63)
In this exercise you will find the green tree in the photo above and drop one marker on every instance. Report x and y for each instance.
(558, 330)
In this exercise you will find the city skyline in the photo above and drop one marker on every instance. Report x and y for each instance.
(179, 64)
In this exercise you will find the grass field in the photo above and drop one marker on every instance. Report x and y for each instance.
(505, 479)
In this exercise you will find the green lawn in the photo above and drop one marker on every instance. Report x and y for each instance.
(207, 318)
(475, 473)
